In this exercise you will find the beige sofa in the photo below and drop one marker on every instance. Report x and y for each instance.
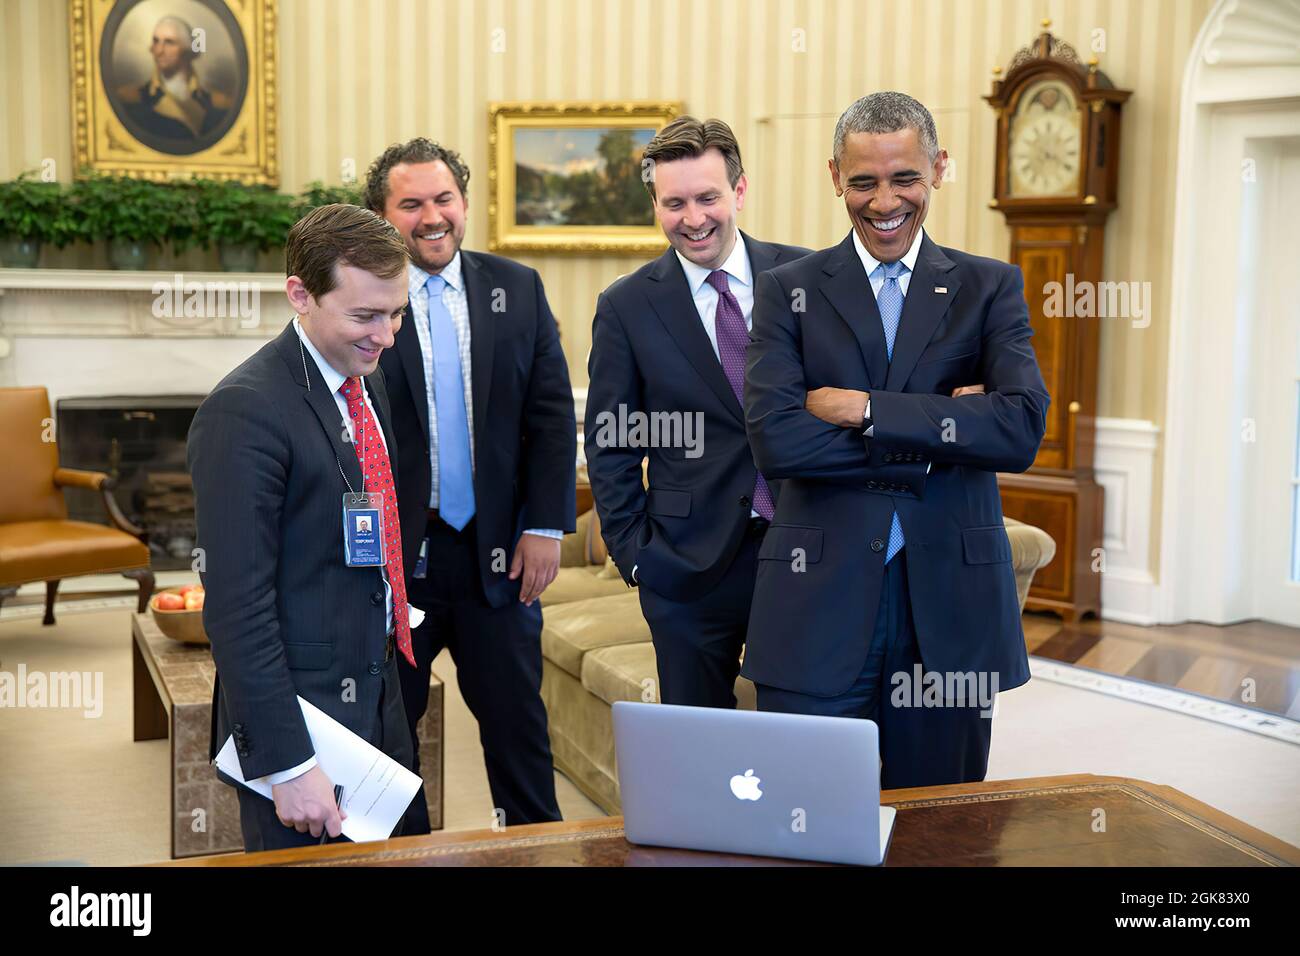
(596, 649)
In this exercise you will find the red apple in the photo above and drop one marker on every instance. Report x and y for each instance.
(187, 588)
(169, 601)
(194, 601)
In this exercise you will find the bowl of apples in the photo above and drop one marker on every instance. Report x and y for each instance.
(178, 612)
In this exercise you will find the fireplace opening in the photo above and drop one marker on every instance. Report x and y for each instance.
(140, 443)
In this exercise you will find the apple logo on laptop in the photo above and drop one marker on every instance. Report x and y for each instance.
(746, 787)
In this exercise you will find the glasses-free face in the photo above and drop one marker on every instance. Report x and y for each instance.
(427, 208)
(696, 206)
(885, 179)
(355, 321)
(169, 48)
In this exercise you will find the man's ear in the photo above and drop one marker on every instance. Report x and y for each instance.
(940, 167)
(742, 186)
(835, 176)
(298, 295)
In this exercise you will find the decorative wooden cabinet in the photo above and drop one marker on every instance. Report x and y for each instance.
(1056, 181)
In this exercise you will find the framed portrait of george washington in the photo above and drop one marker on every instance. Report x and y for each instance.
(568, 177)
(166, 88)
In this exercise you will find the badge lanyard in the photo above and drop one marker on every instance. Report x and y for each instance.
(363, 512)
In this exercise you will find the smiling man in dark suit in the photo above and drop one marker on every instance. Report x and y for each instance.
(272, 451)
(889, 380)
(668, 347)
(484, 417)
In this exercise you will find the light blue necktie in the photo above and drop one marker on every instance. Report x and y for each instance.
(890, 302)
(455, 472)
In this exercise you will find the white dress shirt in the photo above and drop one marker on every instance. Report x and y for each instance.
(740, 280)
(871, 263)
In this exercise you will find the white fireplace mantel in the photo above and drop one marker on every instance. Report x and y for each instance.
(99, 332)
(61, 302)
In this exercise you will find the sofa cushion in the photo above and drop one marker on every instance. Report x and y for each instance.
(580, 583)
(571, 630)
(622, 672)
(573, 546)
(1031, 548)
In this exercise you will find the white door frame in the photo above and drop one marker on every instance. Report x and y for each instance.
(1242, 84)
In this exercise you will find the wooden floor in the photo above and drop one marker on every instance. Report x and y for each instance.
(1232, 663)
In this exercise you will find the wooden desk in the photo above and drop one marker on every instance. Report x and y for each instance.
(1043, 821)
(172, 697)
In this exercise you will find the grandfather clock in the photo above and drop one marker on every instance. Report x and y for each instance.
(1056, 182)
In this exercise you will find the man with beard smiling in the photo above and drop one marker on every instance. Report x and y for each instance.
(861, 398)
(487, 442)
(670, 339)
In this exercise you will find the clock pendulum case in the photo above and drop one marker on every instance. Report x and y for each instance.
(1056, 182)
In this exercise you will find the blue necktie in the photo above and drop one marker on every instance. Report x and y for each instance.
(890, 302)
(455, 472)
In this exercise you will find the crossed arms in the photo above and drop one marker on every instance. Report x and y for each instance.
(818, 434)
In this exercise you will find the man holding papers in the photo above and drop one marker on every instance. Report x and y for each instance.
(287, 453)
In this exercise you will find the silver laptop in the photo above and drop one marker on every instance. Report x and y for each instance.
(740, 781)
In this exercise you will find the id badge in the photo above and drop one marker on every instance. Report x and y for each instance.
(363, 530)
(422, 562)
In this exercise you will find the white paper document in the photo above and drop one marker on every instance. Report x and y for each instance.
(376, 788)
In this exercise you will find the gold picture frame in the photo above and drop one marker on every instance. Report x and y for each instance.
(550, 184)
(149, 105)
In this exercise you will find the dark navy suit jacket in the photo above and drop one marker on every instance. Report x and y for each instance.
(525, 430)
(285, 616)
(651, 354)
(964, 322)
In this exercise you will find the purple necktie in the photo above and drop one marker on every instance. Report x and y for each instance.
(733, 339)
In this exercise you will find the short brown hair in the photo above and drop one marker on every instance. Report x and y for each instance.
(687, 137)
(418, 150)
(342, 234)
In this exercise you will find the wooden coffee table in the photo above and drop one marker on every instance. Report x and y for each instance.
(172, 697)
(1042, 821)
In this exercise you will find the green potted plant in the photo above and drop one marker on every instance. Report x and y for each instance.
(130, 214)
(316, 193)
(186, 227)
(242, 221)
(32, 212)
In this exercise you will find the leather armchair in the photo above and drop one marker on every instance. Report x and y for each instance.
(37, 541)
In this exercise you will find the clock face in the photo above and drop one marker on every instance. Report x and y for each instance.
(1045, 150)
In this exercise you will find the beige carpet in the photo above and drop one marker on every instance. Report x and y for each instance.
(74, 789)
(78, 790)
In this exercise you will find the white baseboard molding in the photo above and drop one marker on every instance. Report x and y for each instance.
(1129, 597)
(1125, 468)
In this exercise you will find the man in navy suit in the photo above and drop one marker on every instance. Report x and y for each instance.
(667, 358)
(272, 451)
(487, 441)
(888, 382)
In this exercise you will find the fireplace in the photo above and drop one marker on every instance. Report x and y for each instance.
(140, 443)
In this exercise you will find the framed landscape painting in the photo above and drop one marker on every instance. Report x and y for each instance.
(568, 177)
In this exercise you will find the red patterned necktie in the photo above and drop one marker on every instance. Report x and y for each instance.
(377, 476)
